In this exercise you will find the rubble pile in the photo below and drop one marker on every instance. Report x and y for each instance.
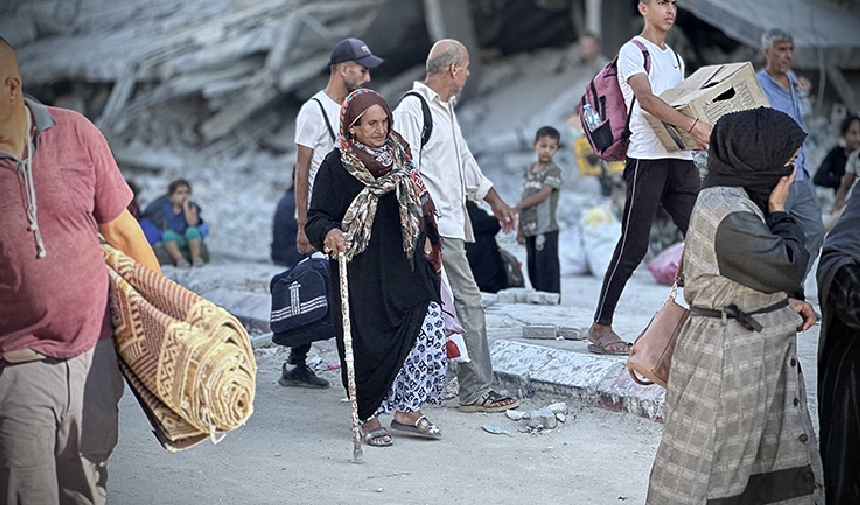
(179, 74)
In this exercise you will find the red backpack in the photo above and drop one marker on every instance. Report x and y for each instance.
(604, 115)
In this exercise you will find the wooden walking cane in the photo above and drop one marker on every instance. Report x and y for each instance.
(357, 455)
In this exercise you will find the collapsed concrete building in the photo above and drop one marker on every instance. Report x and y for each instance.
(226, 75)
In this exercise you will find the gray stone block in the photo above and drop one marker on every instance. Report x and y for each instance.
(571, 333)
(543, 418)
(523, 296)
(506, 297)
(540, 331)
(536, 298)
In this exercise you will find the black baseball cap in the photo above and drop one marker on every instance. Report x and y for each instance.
(353, 50)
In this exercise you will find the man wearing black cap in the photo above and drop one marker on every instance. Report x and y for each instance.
(316, 126)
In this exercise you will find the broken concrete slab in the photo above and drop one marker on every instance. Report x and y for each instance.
(543, 418)
(602, 381)
(540, 331)
(572, 333)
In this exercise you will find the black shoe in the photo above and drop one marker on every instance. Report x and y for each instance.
(302, 376)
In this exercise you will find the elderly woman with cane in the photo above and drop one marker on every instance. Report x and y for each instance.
(370, 204)
(737, 428)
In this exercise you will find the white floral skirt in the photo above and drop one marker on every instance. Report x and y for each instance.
(422, 378)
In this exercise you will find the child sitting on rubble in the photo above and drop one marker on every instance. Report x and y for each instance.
(181, 220)
(538, 228)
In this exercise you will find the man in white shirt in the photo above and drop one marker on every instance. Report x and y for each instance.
(452, 176)
(317, 126)
(653, 175)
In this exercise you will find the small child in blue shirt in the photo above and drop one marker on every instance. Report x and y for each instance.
(181, 221)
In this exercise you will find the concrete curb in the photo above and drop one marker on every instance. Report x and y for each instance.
(594, 380)
(522, 368)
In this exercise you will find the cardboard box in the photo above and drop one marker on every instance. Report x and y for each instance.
(708, 94)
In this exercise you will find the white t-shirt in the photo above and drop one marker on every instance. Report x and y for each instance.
(311, 131)
(665, 74)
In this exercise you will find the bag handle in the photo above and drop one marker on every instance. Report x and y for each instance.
(679, 274)
(641, 381)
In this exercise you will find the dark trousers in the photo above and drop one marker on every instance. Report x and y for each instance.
(542, 260)
(299, 354)
(675, 184)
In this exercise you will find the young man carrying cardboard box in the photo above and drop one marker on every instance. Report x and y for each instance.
(653, 174)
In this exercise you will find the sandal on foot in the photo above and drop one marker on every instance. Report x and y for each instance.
(491, 402)
(603, 343)
(376, 437)
(422, 428)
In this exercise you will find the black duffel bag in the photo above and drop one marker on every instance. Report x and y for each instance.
(302, 304)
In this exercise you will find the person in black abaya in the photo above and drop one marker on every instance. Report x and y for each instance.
(370, 203)
(484, 255)
(839, 358)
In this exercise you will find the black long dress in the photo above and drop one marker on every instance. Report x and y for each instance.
(839, 358)
(484, 256)
(388, 299)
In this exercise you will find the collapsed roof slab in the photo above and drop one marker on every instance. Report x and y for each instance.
(825, 34)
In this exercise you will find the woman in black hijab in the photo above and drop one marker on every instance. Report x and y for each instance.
(839, 357)
(737, 429)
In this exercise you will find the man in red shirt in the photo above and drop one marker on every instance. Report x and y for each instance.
(59, 380)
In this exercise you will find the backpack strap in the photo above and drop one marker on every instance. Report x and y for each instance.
(325, 117)
(427, 130)
(647, 57)
(645, 54)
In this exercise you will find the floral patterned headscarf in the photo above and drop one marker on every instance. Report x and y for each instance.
(381, 170)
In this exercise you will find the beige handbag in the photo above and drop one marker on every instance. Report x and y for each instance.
(651, 354)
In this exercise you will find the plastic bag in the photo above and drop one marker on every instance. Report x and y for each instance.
(665, 265)
(600, 234)
(571, 251)
(455, 346)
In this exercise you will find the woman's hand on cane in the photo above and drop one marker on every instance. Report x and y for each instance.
(334, 241)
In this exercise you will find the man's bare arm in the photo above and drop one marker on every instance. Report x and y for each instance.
(303, 167)
(124, 234)
(506, 215)
(535, 199)
(655, 106)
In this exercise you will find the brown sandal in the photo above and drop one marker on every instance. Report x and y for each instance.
(601, 346)
(491, 402)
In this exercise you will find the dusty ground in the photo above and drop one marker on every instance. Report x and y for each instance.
(296, 449)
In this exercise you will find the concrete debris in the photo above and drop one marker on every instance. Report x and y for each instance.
(546, 417)
(571, 333)
(185, 73)
(540, 331)
(527, 295)
(514, 415)
(543, 418)
(558, 408)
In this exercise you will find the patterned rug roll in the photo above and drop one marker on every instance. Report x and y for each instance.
(188, 361)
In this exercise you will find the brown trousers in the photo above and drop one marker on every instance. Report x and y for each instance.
(58, 426)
